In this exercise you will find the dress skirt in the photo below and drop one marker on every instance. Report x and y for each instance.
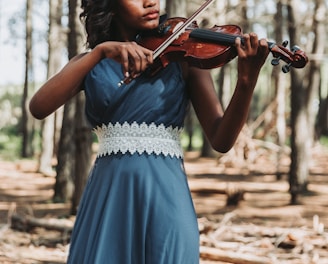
(136, 209)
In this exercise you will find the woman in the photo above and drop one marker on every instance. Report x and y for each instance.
(137, 206)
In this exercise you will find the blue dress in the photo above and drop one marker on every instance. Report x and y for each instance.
(136, 207)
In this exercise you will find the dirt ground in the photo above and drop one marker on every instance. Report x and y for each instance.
(262, 228)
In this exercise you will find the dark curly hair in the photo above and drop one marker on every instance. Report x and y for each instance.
(97, 17)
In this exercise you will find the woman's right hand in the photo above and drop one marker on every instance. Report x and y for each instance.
(133, 57)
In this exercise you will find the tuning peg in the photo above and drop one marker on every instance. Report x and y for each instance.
(275, 61)
(295, 48)
(286, 68)
(285, 43)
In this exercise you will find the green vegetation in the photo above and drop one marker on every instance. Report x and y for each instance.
(10, 108)
(197, 139)
(10, 144)
(324, 141)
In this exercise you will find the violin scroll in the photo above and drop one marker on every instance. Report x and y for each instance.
(294, 58)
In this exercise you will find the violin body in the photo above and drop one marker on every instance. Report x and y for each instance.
(196, 52)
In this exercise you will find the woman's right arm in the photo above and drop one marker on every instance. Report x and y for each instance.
(68, 82)
(64, 85)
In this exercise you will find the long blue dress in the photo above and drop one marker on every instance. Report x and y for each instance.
(136, 207)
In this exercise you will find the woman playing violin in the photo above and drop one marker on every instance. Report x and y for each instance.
(137, 207)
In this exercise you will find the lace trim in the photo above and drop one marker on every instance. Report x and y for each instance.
(139, 138)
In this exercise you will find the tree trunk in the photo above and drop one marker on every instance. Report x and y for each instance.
(224, 83)
(74, 154)
(55, 45)
(65, 169)
(319, 27)
(83, 136)
(83, 152)
(244, 19)
(301, 100)
(27, 121)
(314, 82)
(322, 119)
(279, 86)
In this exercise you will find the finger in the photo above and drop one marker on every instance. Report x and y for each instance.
(254, 41)
(238, 42)
(263, 49)
(247, 42)
(136, 66)
(251, 43)
(149, 55)
(139, 59)
(125, 62)
(241, 45)
(145, 56)
(264, 46)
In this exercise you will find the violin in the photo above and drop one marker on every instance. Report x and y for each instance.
(180, 39)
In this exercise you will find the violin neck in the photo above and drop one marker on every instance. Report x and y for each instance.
(218, 37)
(214, 36)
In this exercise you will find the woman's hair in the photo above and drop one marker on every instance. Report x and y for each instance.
(97, 16)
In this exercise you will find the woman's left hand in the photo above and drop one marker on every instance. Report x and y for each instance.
(251, 56)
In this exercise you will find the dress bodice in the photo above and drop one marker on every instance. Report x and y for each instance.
(161, 99)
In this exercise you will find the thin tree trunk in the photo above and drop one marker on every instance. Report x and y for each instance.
(83, 136)
(314, 82)
(55, 45)
(279, 85)
(301, 136)
(244, 19)
(322, 120)
(27, 121)
(64, 186)
(319, 29)
(74, 154)
(83, 152)
(65, 169)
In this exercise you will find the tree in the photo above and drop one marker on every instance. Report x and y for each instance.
(322, 119)
(302, 116)
(279, 87)
(314, 82)
(65, 169)
(55, 46)
(83, 136)
(74, 155)
(27, 123)
(319, 27)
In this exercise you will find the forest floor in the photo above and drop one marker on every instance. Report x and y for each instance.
(262, 227)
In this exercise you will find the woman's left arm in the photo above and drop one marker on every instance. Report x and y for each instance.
(223, 127)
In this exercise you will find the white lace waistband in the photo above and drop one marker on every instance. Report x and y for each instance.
(139, 138)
